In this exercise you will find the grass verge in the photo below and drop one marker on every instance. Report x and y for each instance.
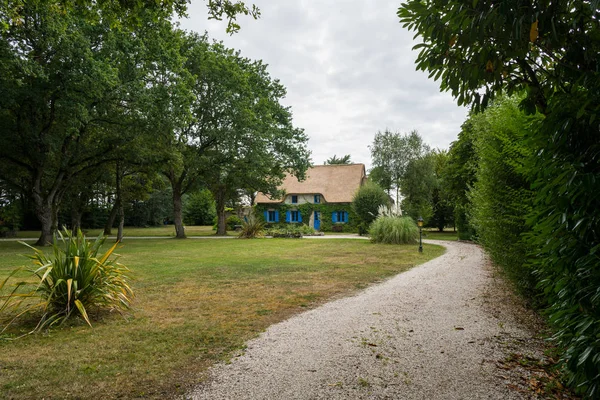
(197, 302)
(436, 235)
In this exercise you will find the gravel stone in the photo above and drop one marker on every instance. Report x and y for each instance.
(433, 332)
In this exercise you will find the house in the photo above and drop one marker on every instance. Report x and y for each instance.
(323, 200)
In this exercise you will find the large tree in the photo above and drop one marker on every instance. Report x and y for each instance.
(71, 73)
(259, 145)
(551, 51)
(391, 153)
(418, 184)
(66, 87)
(213, 83)
(239, 135)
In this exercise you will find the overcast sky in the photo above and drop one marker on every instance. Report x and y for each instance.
(348, 68)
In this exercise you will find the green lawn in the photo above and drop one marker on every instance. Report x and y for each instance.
(435, 235)
(163, 230)
(197, 302)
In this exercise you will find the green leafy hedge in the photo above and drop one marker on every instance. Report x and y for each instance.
(566, 232)
(501, 197)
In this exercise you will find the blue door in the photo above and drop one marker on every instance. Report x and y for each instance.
(317, 220)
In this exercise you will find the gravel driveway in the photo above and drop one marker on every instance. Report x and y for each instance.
(438, 331)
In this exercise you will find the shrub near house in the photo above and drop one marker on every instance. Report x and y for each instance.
(323, 201)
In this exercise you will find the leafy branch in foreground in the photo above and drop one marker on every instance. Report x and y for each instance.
(71, 281)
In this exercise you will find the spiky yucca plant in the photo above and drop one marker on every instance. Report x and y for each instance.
(252, 227)
(74, 279)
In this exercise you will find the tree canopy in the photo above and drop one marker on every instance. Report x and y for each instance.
(391, 153)
(335, 160)
(478, 49)
(92, 89)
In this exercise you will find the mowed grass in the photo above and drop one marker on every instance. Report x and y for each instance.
(197, 302)
(436, 235)
(163, 230)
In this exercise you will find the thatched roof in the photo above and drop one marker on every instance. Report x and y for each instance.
(335, 183)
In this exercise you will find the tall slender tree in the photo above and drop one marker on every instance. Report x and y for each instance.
(391, 153)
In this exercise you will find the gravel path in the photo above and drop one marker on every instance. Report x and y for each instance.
(438, 331)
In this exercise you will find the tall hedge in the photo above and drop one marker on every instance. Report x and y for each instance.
(551, 51)
(501, 197)
(566, 231)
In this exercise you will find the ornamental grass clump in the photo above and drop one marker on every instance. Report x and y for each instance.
(70, 282)
(392, 228)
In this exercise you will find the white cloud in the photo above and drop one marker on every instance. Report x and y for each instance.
(348, 69)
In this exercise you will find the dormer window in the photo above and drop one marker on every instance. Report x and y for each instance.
(294, 199)
(317, 198)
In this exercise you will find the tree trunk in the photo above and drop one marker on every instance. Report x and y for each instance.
(75, 220)
(111, 219)
(46, 217)
(55, 226)
(177, 189)
(46, 210)
(177, 212)
(119, 202)
(121, 223)
(441, 221)
(221, 222)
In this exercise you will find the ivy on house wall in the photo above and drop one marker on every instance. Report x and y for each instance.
(306, 211)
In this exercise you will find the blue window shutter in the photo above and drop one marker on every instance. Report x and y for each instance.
(276, 216)
(299, 216)
(288, 216)
(334, 216)
(345, 216)
(267, 216)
